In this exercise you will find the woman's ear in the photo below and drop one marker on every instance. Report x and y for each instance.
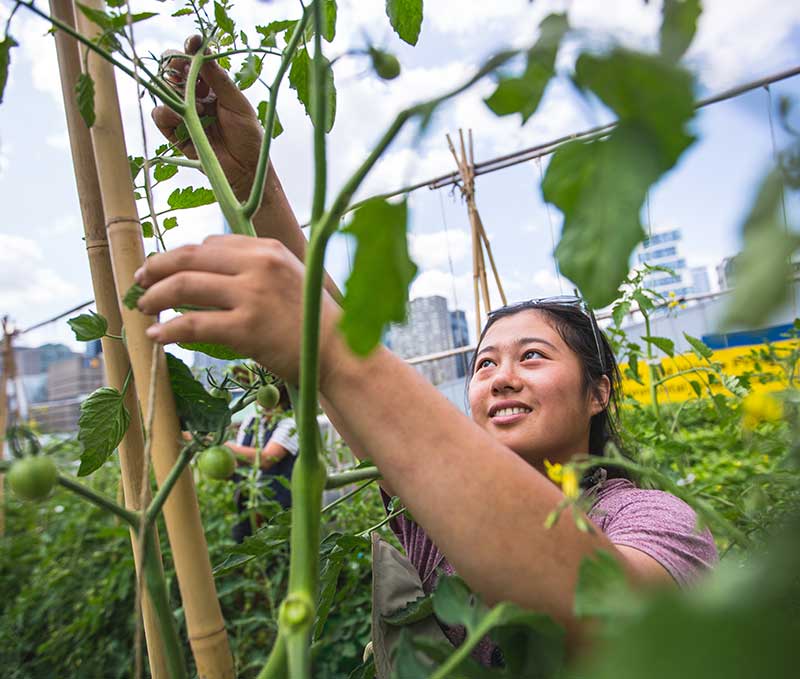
(600, 395)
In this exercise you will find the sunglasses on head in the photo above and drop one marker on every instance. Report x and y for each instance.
(572, 301)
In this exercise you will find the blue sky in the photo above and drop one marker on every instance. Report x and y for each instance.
(43, 266)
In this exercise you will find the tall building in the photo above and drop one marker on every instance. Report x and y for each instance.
(427, 330)
(663, 248)
(460, 330)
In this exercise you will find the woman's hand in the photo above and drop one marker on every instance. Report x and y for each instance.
(255, 286)
(235, 135)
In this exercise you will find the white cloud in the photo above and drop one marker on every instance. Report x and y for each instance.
(434, 250)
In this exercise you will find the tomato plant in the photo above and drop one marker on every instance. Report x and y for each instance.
(217, 462)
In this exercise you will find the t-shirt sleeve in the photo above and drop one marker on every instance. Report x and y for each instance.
(285, 435)
(663, 527)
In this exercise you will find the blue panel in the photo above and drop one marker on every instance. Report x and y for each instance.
(745, 338)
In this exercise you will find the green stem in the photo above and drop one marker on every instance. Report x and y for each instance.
(346, 496)
(179, 161)
(651, 369)
(127, 381)
(318, 107)
(100, 500)
(115, 337)
(247, 50)
(381, 524)
(351, 476)
(236, 218)
(157, 91)
(276, 665)
(159, 598)
(172, 478)
(253, 202)
(688, 371)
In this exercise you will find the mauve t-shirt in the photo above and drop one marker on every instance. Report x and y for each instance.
(652, 521)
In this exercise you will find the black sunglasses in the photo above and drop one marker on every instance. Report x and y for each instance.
(573, 301)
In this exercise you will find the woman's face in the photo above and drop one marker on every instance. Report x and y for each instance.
(527, 390)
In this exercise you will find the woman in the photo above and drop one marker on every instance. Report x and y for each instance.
(476, 485)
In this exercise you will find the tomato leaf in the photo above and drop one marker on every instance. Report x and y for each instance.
(5, 61)
(377, 289)
(300, 82)
(101, 426)
(88, 327)
(249, 72)
(602, 588)
(329, 20)
(698, 346)
(97, 16)
(164, 171)
(136, 164)
(214, 350)
(170, 223)
(224, 22)
(678, 27)
(135, 291)
(277, 128)
(199, 411)
(147, 230)
(522, 94)
(664, 343)
(84, 90)
(405, 16)
(181, 199)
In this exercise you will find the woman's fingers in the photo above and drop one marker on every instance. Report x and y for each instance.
(167, 122)
(205, 258)
(196, 288)
(196, 326)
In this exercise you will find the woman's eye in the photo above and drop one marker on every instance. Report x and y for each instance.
(484, 363)
(531, 353)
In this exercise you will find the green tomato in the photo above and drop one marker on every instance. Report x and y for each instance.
(32, 478)
(217, 392)
(217, 462)
(386, 65)
(268, 396)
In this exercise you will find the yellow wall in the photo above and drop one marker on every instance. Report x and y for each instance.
(767, 376)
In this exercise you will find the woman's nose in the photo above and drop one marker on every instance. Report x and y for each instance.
(506, 378)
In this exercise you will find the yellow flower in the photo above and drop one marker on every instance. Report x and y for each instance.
(565, 476)
(758, 408)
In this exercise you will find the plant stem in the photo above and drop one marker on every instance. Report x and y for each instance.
(253, 202)
(127, 381)
(275, 667)
(100, 500)
(156, 90)
(651, 369)
(163, 492)
(382, 523)
(346, 496)
(351, 476)
(246, 50)
(236, 218)
(318, 110)
(179, 161)
(159, 598)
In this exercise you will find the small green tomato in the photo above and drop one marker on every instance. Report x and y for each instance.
(218, 392)
(386, 65)
(32, 478)
(217, 462)
(268, 396)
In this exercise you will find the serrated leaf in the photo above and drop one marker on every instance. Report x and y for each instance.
(416, 610)
(132, 295)
(329, 19)
(619, 312)
(277, 128)
(698, 390)
(300, 82)
(136, 163)
(188, 197)
(5, 61)
(249, 72)
(377, 289)
(328, 580)
(88, 327)
(224, 22)
(170, 223)
(84, 91)
(147, 230)
(96, 16)
(678, 26)
(455, 604)
(198, 410)
(522, 94)
(270, 31)
(698, 346)
(101, 426)
(405, 16)
(119, 22)
(164, 171)
(215, 350)
(184, 11)
(664, 343)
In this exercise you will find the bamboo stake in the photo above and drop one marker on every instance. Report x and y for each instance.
(8, 374)
(205, 625)
(115, 358)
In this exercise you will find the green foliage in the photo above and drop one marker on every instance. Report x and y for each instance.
(600, 186)
(406, 18)
(678, 27)
(277, 128)
(84, 91)
(200, 411)
(522, 94)
(103, 421)
(132, 296)
(5, 61)
(329, 11)
(187, 197)
(224, 21)
(663, 343)
(250, 71)
(602, 590)
(377, 289)
(300, 81)
(699, 347)
(88, 327)
(214, 350)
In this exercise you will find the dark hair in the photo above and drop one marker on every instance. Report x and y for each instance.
(582, 335)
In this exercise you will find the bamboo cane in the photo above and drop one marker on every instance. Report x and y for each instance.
(205, 625)
(115, 358)
(8, 370)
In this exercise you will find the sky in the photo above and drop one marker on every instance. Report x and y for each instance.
(43, 266)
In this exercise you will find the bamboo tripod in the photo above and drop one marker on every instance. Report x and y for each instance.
(9, 373)
(480, 285)
(123, 237)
